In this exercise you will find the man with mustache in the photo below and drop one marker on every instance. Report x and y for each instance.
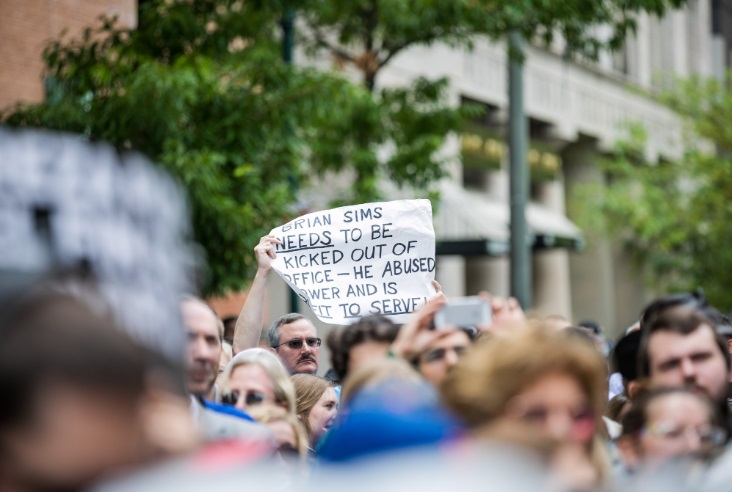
(295, 341)
(292, 337)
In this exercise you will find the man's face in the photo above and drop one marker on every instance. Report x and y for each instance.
(204, 347)
(442, 355)
(692, 360)
(303, 359)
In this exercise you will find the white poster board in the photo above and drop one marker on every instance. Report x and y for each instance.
(353, 261)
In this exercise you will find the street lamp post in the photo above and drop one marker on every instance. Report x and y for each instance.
(288, 41)
(519, 174)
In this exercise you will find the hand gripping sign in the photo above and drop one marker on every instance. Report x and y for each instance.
(364, 259)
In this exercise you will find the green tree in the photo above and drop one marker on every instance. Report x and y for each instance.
(199, 87)
(674, 216)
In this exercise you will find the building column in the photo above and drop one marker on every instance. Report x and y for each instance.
(679, 41)
(591, 271)
(552, 292)
(489, 274)
(451, 275)
(642, 56)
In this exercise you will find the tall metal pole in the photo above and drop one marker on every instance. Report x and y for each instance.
(288, 34)
(519, 173)
(288, 41)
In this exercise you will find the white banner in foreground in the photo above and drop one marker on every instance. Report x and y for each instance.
(365, 259)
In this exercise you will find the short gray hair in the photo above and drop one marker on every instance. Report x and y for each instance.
(274, 329)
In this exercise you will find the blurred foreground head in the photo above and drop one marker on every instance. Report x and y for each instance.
(96, 252)
(81, 400)
(549, 383)
(494, 380)
(69, 205)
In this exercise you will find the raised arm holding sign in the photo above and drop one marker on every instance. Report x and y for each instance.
(249, 325)
(364, 259)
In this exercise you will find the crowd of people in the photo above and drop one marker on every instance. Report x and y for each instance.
(520, 403)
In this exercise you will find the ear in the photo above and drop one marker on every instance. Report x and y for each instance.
(632, 389)
(274, 350)
(629, 451)
(729, 346)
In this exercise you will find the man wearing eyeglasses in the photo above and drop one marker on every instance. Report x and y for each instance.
(293, 337)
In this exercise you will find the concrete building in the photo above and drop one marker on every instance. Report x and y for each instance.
(26, 28)
(576, 111)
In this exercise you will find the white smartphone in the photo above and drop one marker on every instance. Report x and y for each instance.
(463, 312)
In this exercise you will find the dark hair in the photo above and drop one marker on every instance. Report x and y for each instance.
(695, 300)
(54, 337)
(229, 328)
(592, 325)
(637, 417)
(624, 356)
(372, 328)
(615, 407)
(682, 319)
(274, 329)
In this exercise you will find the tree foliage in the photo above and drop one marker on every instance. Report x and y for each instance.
(674, 216)
(199, 88)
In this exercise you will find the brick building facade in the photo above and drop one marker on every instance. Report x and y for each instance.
(26, 28)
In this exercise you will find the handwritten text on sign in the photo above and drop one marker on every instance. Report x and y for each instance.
(365, 259)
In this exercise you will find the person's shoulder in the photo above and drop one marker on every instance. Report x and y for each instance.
(226, 463)
(719, 473)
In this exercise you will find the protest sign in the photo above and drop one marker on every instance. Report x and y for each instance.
(353, 261)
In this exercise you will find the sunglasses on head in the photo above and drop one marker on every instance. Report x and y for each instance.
(251, 398)
(296, 343)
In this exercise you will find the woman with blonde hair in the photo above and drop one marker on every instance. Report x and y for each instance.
(317, 405)
(254, 377)
(549, 383)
